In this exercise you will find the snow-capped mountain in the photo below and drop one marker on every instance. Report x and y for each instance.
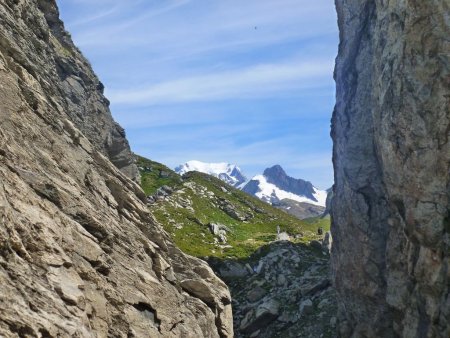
(229, 173)
(274, 185)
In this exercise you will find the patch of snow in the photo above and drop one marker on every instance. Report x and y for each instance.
(242, 185)
(320, 196)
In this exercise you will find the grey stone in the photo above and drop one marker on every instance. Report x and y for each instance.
(222, 236)
(256, 294)
(164, 174)
(219, 230)
(257, 319)
(316, 245)
(216, 228)
(255, 334)
(310, 288)
(333, 321)
(288, 317)
(281, 279)
(323, 303)
(249, 268)
(233, 270)
(306, 307)
(390, 209)
(283, 236)
(259, 267)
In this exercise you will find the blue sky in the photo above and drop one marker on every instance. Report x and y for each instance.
(246, 82)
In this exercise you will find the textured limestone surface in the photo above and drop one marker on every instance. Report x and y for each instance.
(391, 128)
(46, 60)
(80, 255)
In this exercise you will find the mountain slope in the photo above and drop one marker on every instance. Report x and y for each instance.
(187, 208)
(301, 210)
(154, 175)
(229, 173)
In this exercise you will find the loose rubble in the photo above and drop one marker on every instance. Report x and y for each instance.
(283, 291)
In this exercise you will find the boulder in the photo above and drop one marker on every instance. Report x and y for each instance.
(217, 228)
(233, 270)
(231, 211)
(164, 174)
(316, 245)
(314, 286)
(281, 279)
(306, 307)
(222, 236)
(259, 267)
(257, 319)
(283, 236)
(249, 268)
(256, 294)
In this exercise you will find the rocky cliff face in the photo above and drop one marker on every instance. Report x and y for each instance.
(391, 220)
(46, 60)
(80, 255)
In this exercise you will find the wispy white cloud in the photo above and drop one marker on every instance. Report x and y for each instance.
(255, 81)
(205, 26)
(95, 17)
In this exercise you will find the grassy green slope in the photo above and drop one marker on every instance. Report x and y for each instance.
(198, 200)
(155, 175)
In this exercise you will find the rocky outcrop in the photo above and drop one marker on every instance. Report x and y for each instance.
(46, 61)
(390, 209)
(80, 255)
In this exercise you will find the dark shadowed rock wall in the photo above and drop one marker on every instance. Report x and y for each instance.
(80, 255)
(391, 129)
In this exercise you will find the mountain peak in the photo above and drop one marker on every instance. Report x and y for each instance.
(227, 172)
(275, 171)
(275, 185)
(277, 176)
